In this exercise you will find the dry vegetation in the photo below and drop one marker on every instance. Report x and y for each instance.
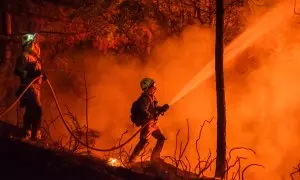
(177, 166)
(122, 28)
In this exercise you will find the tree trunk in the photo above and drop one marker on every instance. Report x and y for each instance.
(7, 31)
(221, 116)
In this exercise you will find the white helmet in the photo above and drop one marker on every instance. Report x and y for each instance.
(146, 83)
(27, 38)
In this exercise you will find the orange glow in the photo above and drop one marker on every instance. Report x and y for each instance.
(113, 162)
(262, 94)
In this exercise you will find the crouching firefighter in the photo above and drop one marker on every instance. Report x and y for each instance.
(145, 112)
(27, 68)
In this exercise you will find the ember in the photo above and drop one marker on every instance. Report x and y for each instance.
(113, 162)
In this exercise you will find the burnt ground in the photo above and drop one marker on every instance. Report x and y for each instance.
(21, 160)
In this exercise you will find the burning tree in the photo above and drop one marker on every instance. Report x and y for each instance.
(115, 25)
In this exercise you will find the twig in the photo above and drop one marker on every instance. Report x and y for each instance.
(189, 171)
(234, 164)
(86, 109)
(181, 151)
(173, 160)
(237, 159)
(238, 148)
(207, 164)
(142, 155)
(198, 166)
(297, 170)
(149, 153)
(122, 149)
(175, 150)
(129, 151)
(183, 165)
(78, 129)
(238, 171)
(187, 142)
(248, 167)
(176, 141)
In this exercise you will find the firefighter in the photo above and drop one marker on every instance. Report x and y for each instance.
(148, 116)
(27, 68)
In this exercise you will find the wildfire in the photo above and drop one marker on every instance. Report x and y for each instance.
(113, 162)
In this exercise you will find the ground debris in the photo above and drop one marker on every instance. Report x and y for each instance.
(40, 160)
(21, 160)
(164, 171)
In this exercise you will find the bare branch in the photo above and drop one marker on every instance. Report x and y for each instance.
(238, 148)
(143, 154)
(248, 167)
(198, 139)
(187, 142)
(296, 171)
(189, 171)
(86, 109)
(234, 164)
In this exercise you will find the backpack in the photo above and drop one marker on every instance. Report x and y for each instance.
(136, 112)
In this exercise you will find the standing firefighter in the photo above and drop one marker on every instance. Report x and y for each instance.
(28, 67)
(145, 112)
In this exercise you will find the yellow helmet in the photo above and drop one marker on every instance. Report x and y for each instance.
(146, 83)
(27, 38)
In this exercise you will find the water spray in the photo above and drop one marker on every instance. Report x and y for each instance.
(262, 26)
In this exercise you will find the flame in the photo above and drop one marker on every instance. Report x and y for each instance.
(113, 162)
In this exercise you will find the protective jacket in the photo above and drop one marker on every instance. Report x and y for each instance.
(28, 67)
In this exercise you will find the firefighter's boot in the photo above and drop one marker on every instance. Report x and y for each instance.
(38, 135)
(155, 156)
(27, 136)
(138, 148)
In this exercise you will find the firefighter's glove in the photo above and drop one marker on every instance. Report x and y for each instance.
(165, 107)
(161, 110)
(24, 75)
(44, 77)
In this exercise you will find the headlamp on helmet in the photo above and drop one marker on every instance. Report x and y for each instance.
(28, 38)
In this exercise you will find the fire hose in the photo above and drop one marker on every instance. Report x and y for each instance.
(64, 121)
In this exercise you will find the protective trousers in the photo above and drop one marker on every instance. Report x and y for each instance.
(151, 129)
(33, 110)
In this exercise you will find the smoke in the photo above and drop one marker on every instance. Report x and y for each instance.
(262, 96)
(263, 112)
(114, 81)
(267, 111)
